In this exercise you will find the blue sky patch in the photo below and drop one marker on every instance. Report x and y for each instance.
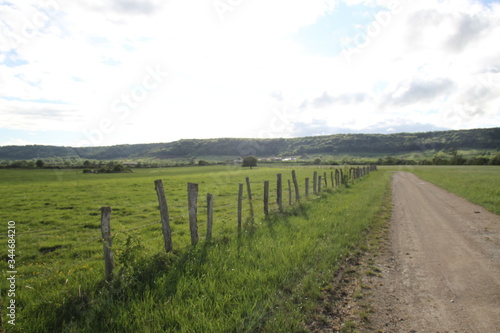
(12, 59)
(325, 37)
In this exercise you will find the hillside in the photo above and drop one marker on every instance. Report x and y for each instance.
(355, 144)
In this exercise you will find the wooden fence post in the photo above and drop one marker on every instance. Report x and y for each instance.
(279, 192)
(325, 179)
(193, 211)
(210, 215)
(109, 262)
(332, 179)
(165, 220)
(319, 184)
(266, 199)
(289, 192)
(315, 182)
(307, 187)
(296, 185)
(240, 206)
(249, 190)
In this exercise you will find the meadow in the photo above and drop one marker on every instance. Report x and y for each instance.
(268, 278)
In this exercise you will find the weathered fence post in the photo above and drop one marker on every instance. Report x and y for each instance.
(165, 223)
(315, 182)
(319, 184)
(109, 262)
(289, 192)
(240, 206)
(307, 187)
(296, 185)
(266, 199)
(279, 192)
(332, 179)
(210, 215)
(325, 179)
(193, 211)
(249, 190)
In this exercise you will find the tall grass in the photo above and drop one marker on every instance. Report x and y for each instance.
(267, 279)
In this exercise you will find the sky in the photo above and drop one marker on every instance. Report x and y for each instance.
(97, 73)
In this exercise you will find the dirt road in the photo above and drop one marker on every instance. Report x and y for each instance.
(441, 272)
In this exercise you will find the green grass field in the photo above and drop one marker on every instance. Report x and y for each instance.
(267, 279)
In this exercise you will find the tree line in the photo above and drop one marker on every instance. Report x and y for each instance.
(389, 144)
(441, 159)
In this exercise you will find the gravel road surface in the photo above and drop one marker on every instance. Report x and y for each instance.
(441, 271)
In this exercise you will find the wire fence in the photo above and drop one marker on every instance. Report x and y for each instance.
(277, 202)
(229, 213)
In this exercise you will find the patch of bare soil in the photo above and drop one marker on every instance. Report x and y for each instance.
(439, 271)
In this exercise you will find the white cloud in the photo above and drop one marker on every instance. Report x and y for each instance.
(430, 62)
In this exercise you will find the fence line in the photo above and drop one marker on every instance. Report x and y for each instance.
(320, 182)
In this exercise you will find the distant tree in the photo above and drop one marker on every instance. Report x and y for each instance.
(495, 160)
(118, 168)
(249, 161)
(40, 164)
(317, 161)
(203, 163)
(87, 164)
(481, 161)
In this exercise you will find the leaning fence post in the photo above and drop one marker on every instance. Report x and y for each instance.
(165, 224)
(109, 263)
(266, 199)
(279, 192)
(289, 192)
(296, 185)
(240, 206)
(249, 190)
(193, 211)
(210, 215)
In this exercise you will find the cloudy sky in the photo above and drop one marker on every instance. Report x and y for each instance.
(90, 73)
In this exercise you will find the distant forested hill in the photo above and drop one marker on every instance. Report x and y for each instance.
(358, 144)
